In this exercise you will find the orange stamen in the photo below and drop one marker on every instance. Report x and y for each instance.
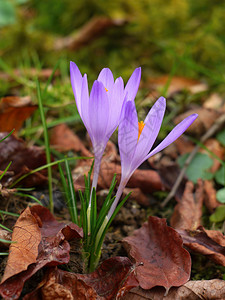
(141, 126)
(106, 89)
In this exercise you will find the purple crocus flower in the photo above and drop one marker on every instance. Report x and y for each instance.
(137, 138)
(100, 112)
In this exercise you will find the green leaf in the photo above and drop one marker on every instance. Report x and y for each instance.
(7, 13)
(221, 137)
(218, 215)
(219, 176)
(198, 166)
(220, 195)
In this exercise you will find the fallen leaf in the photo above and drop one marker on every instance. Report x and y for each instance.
(89, 32)
(168, 175)
(23, 159)
(146, 180)
(42, 74)
(188, 212)
(206, 242)
(138, 195)
(177, 84)
(215, 101)
(24, 251)
(184, 145)
(51, 250)
(160, 258)
(192, 290)
(113, 278)
(215, 147)
(64, 139)
(14, 111)
(210, 200)
(206, 118)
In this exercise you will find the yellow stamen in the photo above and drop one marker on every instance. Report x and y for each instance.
(106, 89)
(141, 125)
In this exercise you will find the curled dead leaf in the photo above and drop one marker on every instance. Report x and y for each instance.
(43, 240)
(111, 280)
(14, 111)
(64, 139)
(177, 84)
(24, 159)
(210, 200)
(206, 118)
(192, 290)
(160, 258)
(188, 212)
(206, 242)
(24, 251)
(215, 147)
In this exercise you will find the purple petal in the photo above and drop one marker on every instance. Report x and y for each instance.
(174, 134)
(98, 113)
(106, 77)
(76, 81)
(85, 104)
(116, 98)
(151, 129)
(133, 84)
(127, 135)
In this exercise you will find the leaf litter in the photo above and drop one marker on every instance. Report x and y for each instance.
(150, 248)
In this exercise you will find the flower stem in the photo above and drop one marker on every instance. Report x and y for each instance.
(97, 164)
(118, 195)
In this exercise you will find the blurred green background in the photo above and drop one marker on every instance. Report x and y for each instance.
(186, 36)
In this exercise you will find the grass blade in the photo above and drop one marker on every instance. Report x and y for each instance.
(47, 147)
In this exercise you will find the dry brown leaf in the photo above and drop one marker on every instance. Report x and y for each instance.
(14, 111)
(64, 139)
(114, 277)
(168, 177)
(23, 159)
(138, 195)
(53, 249)
(24, 251)
(214, 146)
(206, 242)
(210, 200)
(206, 118)
(177, 84)
(215, 101)
(89, 32)
(42, 74)
(160, 258)
(192, 290)
(146, 180)
(188, 212)
(184, 145)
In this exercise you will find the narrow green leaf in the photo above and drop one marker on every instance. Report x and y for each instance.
(72, 200)
(47, 147)
(5, 170)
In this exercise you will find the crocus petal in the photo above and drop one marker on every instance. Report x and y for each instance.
(116, 98)
(174, 134)
(98, 113)
(133, 84)
(76, 82)
(151, 129)
(106, 77)
(127, 135)
(85, 104)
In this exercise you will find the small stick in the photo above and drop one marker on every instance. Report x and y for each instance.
(212, 130)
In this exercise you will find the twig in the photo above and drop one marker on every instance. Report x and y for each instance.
(212, 130)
